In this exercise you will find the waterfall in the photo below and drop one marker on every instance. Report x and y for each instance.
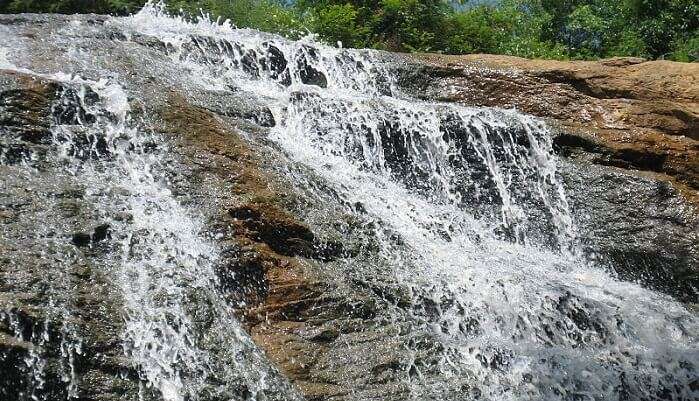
(179, 332)
(486, 234)
(346, 105)
(465, 205)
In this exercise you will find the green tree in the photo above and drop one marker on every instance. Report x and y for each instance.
(662, 23)
(264, 15)
(72, 6)
(478, 30)
(579, 29)
(585, 32)
(401, 25)
(340, 23)
(686, 50)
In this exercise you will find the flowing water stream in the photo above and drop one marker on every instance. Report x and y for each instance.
(467, 210)
(179, 333)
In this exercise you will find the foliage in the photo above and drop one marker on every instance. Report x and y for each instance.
(508, 29)
(70, 6)
(686, 50)
(585, 31)
(402, 25)
(478, 31)
(605, 28)
(265, 15)
(560, 29)
(339, 23)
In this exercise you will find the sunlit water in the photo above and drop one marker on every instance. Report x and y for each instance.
(470, 215)
(180, 333)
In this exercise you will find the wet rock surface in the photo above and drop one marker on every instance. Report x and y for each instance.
(629, 132)
(56, 304)
(295, 303)
(300, 268)
(628, 113)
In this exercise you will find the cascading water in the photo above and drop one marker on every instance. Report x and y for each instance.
(179, 333)
(343, 103)
(487, 242)
(465, 205)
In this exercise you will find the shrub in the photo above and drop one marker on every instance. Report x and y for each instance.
(265, 15)
(629, 43)
(339, 23)
(559, 29)
(686, 50)
(474, 31)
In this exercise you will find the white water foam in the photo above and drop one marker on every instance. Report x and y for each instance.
(164, 270)
(517, 310)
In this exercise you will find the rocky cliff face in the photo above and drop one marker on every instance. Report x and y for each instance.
(180, 247)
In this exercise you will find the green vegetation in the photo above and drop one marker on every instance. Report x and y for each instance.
(560, 29)
(70, 6)
(265, 15)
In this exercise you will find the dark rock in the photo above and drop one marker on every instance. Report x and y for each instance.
(275, 228)
(83, 239)
(24, 105)
(278, 65)
(323, 336)
(640, 227)
(310, 75)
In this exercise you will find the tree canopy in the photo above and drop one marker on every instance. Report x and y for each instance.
(561, 29)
